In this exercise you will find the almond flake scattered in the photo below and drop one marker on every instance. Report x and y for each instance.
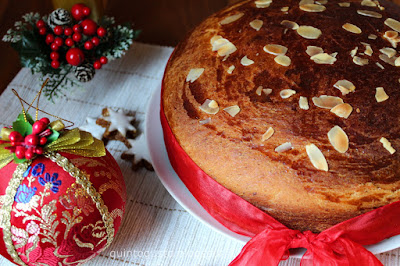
(345, 86)
(342, 110)
(372, 37)
(275, 49)
(194, 74)
(303, 103)
(263, 3)
(360, 61)
(338, 138)
(387, 145)
(284, 147)
(317, 158)
(352, 28)
(287, 93)
(232, 110)
(210, 107)
(381, 95)
(290, 24)
(386, 59)
(368, 3)
(368, 50)
(256, 24)
(285, 9)
(246, 62)
(323, 58)
(390, 52)
(267, 91)
(230, 69)
(205, 121)
(344, 4)
(327, 102)
(223, 46)
(391, 34)
(358, 110)
(309, 32)
(283, 60)
(380, 65)
(369, 13)
(231, 19)
(313, 8)
(314, 50)
(397, 62)
(259, 90)
(353, 52)
(393, 24)
(268, 134)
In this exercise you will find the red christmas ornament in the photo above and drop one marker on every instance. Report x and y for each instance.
(101, 32)
(58, 30)
(97, 65)
(89, 27)
(95, 41)
(49, 38)
(55, 64)
(69, 42)
(29, 153)
(89, 45)
(77, 11)
(54, 46)
(15, 136)
(54, 55)
(45, 120)
(42, 31)
(77, 28)
(103, 60)
(42, 141)
(75, 56)
(38, 127)
(68, 31)
(77, 37)
(59, 41)
(32, 140)
(40, 24)
(20, 152)
(86, 11)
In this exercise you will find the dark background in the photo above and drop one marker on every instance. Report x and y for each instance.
(163, 22)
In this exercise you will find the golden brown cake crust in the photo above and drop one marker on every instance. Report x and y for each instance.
(231, 150)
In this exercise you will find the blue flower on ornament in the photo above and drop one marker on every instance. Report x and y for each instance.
(50, 182)
(38, 169)
(24, 194)
(26, 173)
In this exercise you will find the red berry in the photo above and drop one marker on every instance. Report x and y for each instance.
(15, 136)
(77, 37)
(101, 32)
(89, 45)
(55, 64)
(54, 55)
(69, 42)
(32, 140)
(86, 11)
(58, 30)
(97, 65)
(39, 150)
(45, 120)
(42, 141)
(49, 38)
(59, 41)
(54, 46)
(75, 56)
(40, 24)
(95, 41)
(89, 27)
(77, 11)
(42, 31)
(77, 28)
(68, 31)
(103, 60)
(29, 153)
(38, 127)
(20, 152)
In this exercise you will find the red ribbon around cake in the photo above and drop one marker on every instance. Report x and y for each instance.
(341, 244)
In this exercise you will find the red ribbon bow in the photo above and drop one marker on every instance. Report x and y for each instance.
(341, 244)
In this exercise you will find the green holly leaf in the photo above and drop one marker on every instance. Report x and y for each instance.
(53, 137)
(18, 161)
(22, 126)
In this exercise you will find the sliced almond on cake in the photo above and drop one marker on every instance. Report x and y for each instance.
(327, 102)
(275, 49)
(338, 138)
(381, 95)
(345, 86)
(283, 60)
(303, 103)
(284, 147)
(287, 93)
(309, 32)
(256, 24)
(387, 145)
(268, 134)
(317, 158)
(343, 110)
(194, 74)
(210, 107)
(231, 19)
(232, 110)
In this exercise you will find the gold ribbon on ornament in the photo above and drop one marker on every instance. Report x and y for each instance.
(72, 141)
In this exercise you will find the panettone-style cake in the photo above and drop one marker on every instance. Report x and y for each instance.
(293, 106)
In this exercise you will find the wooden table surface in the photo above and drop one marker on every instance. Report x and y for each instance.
(163, 22)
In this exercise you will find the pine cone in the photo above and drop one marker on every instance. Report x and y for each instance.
(84, 72)
(59, 17)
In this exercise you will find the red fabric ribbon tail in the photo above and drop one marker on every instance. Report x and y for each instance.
(267, 248)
